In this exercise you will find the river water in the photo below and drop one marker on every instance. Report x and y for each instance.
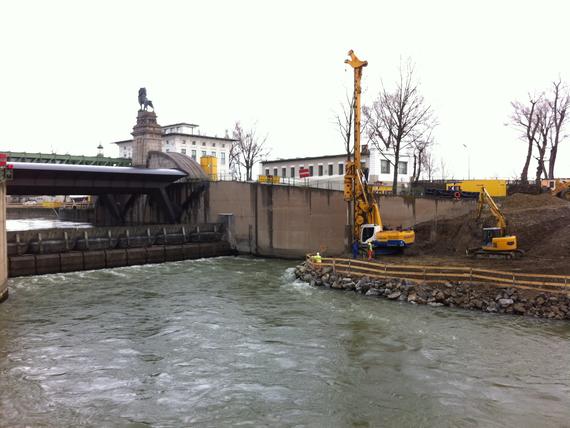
(236, 341)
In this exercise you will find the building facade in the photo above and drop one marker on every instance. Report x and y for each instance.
(328, 171)
(185, 138)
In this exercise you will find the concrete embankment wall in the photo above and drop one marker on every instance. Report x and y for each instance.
(38, 264)
(15, 213)
(36, 252)
(283, 221)
(3, 250)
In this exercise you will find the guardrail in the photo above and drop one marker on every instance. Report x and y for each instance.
(440, 274)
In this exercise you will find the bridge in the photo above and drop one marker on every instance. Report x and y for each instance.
(66, 159)
(118, 188)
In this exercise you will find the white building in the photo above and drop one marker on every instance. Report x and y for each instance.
(185, 138)
(328, 171)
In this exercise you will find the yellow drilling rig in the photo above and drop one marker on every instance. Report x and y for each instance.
(367, 226)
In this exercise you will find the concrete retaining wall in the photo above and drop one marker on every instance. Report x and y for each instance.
(39, 264)
(3, 251)
(283, 221)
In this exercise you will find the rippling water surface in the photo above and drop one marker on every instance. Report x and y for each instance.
(236, 341)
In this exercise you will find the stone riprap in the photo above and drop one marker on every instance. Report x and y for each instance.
(474, 296)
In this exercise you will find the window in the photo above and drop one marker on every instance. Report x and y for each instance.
(223, 158)
(340, 169)
(193, 143)
(203, 144)
(266, 171)
(292, 172)
(384, 167)
(223, 146)
(194, 154)
(320, 170)
(310, 170)
(283, 172)
(330, 169)
(203, 153)
(275, 172)
(213, 154)
(183, 141)
(183, 151)
(213, 144)
(402, 168)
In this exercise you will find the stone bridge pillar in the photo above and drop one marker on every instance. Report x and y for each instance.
(147, 137)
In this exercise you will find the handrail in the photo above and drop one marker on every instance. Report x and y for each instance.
(445, 273)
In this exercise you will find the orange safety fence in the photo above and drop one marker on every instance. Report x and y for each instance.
(440, 274)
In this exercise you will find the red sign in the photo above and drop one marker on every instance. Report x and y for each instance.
(304, 172)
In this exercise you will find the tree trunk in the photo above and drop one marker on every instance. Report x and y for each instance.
(395, 183)
(552, 161)
(524, 173)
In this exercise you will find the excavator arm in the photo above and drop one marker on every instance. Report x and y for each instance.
(486, 199)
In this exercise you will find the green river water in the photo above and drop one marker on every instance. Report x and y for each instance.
(238, 342)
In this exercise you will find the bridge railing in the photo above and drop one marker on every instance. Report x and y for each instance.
(442, 274)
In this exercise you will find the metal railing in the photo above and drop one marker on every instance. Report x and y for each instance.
(442, 274)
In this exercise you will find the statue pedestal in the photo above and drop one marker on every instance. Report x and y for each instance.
(147, 137)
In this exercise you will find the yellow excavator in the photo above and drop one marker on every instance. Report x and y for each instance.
(561, 189)
(368, 227)
(496, 242)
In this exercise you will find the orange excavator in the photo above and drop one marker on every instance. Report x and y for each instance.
(367, 227)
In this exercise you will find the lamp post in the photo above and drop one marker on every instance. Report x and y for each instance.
(468, 162)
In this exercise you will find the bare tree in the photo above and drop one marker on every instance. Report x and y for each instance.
(420, 152)
(525, 119)
(249, 149)
(559, 105)
(430, 165)
(545, 124)
(344, 120)
(398, 120)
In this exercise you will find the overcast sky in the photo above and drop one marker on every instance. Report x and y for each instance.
(71, 70)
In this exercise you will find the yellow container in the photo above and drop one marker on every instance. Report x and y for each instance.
(270, 179)
(496, 188)
(53, 204)
(210, 166)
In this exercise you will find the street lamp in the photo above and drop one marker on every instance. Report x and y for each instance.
(468, 162)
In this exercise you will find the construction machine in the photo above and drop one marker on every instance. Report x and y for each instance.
(561, 189)
(496, 242)
(367, 225)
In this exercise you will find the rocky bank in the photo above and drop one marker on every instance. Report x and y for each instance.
(473, 296)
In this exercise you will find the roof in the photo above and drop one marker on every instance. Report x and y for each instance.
(192, 125)
(304, 158)
(181, 135)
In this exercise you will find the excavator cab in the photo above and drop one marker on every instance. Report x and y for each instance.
(489, 233)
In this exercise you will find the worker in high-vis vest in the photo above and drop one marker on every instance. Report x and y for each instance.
(370, 251)
(317, 258)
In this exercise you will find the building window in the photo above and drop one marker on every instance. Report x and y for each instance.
(266, 171)
(310, 170)
(402, 168)
(223, 146)
(203, 153)
(320, 170)
(275, 172)
(193, 143)
(183, 141)
(330, 169)
(283, 172)
(203, 144)
(384, 167)
(183, 151)
(213, 144)
(223, 158)
(340, 169)
(292, 172)
(213, 154)
(194, 154)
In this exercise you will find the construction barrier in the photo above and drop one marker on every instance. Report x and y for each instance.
(441, 274)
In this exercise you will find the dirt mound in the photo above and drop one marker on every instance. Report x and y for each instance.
(524, 201)
(540, 222)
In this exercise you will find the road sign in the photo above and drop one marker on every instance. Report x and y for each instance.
(304, 172)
